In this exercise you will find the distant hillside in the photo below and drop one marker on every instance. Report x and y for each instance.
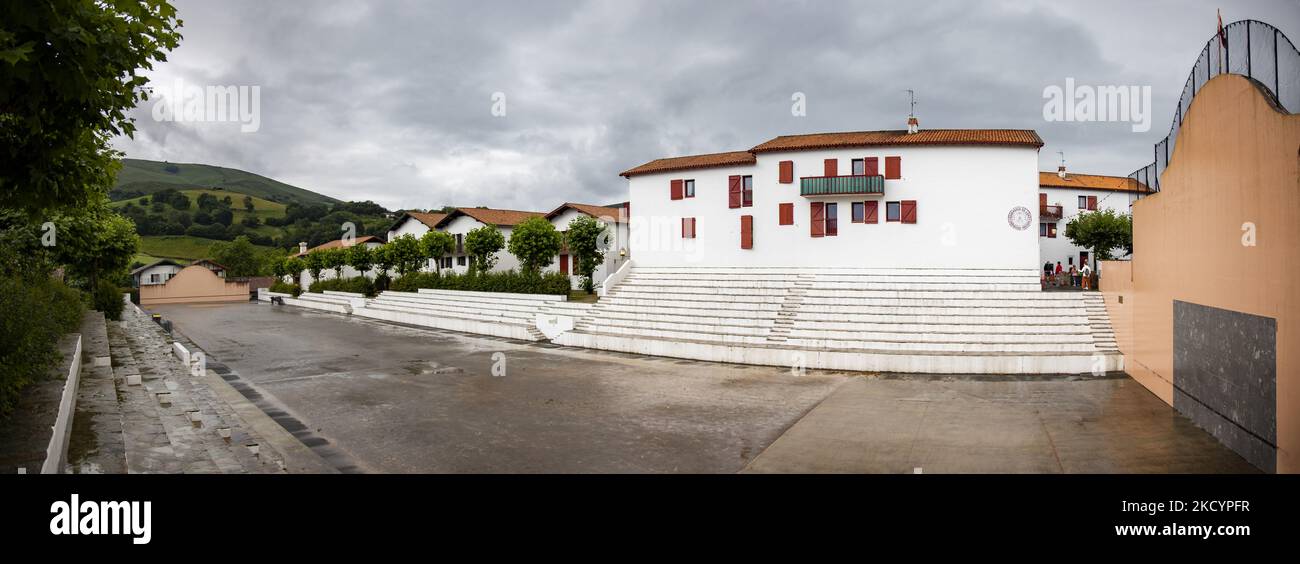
(141, 177)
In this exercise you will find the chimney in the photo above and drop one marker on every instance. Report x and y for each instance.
(302, 246)
(1060, 170)
(913, 125)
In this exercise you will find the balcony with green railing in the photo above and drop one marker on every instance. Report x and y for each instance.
(842, 185)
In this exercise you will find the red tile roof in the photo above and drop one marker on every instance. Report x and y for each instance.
(339, 243)
(1092, 182)
(429, 219)
(593, 211)
(489, 216)
(692, 162)
(899, 137)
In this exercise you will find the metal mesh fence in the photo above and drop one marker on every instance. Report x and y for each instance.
(1252, 49)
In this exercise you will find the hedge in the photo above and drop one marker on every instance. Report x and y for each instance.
(282, 287)
(356, 284)
(508, 281)
(38, 310)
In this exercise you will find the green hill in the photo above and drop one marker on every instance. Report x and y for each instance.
(142, 177)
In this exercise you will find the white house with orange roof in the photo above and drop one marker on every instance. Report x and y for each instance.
(305, 279)
(1062, 196)
(415, 224)
(463, 220)
(615, 247)
(944, 198)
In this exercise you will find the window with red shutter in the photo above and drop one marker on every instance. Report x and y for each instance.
(873, 212)
(787, 172)
(832, 167)
(688, 228)
(564, 264)
(873, 166)
(893, 167)
(909, 211)
(832, 212)
(818, 218)
(733, 191)
(1092, 203)
(1042, 199)
(787, 214)
(675, 189)
(746, 231)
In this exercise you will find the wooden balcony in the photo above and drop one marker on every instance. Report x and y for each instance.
(1049, 213)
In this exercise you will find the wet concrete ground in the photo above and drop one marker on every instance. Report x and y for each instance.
(384, 398)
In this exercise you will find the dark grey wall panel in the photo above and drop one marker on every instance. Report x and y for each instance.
(1225, 378)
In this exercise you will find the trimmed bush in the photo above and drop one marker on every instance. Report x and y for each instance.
(107, 298)
(356, 285)
(37, 311)
(509, 281)
(282, 287)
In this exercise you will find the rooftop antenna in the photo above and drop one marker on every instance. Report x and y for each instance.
(1060, 170)
(912, 124)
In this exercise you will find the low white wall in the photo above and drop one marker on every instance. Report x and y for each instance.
(56, 454)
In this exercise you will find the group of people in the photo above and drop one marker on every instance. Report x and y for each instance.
(1059, 276)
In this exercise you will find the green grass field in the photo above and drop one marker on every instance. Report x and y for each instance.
(176, 247)
(261, 208)
(150, 176)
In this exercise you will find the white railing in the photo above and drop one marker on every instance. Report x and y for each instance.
(613, 279)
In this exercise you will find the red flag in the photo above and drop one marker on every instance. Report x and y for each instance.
(1223, 37)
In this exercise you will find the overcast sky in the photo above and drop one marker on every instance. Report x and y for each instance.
(392, 102)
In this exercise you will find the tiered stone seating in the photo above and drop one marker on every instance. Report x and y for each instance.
(486, 313)
(888, 320)
(337, 302)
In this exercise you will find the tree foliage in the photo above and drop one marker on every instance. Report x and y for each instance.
(587, 241)
(69, 72)
(361, 258)
(93, 243)
(437, 244)
(482, 245)
(405, 254)
(1101, 232)
(535, 242)
(239, 257)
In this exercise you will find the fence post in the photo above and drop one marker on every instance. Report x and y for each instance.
(1248, 73)
(1277, 79)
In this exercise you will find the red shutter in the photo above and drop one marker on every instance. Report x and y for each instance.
(675, 189)
(1042, 200)
(564, 264)
(733, 191)
(873, 212)
(787, 172)
(873, 166)
(893, 167)
(746, 231)
(687, 227)
(818, 219)
(832, 167)
(908, 211)
(787, 214)
(1092, 203)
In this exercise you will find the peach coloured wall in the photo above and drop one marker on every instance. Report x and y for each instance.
(194, 284)
(1236, 163)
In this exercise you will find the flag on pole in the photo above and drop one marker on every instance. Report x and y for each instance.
(1223, 37)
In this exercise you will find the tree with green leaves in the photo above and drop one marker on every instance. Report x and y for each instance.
(335, 259)
(435, 245)
(482, 245)
(535, 242)
(383, 259)
(1101, 232)
(248, 204)
(315, 262)
(586, 238)
(360, 258)
(293, 266)
(94, 243)
(405, 254)
(70, 70)
(239, 257)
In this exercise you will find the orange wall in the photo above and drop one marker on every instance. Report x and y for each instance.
(194, 284)
(1236, 160)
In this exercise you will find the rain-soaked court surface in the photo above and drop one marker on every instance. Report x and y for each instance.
(377, 397)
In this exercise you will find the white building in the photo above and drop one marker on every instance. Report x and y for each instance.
(1063, 196)
(156, 273)
(616, 252)
(326, 274)
(415, 224)
(463, 220)
(888, 199)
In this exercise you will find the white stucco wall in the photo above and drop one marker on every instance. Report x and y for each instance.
(963, 197)
(164, 272)
(305, 278)
(410, 226)
(464, 224)
(1059, 248)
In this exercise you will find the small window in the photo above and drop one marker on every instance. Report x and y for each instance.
(859, 212)
(688, 228)
(832, 219)
(859, 167)
(1042, 230)
(1083, 202)
(747, 191)
(690, 188)
(460, 260)
(153, 278)
(1051, 231)
(460, 244)
(893, 211)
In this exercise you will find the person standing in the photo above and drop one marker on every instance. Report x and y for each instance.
(1086, 272)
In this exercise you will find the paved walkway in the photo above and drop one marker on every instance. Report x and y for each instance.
(950, 425)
